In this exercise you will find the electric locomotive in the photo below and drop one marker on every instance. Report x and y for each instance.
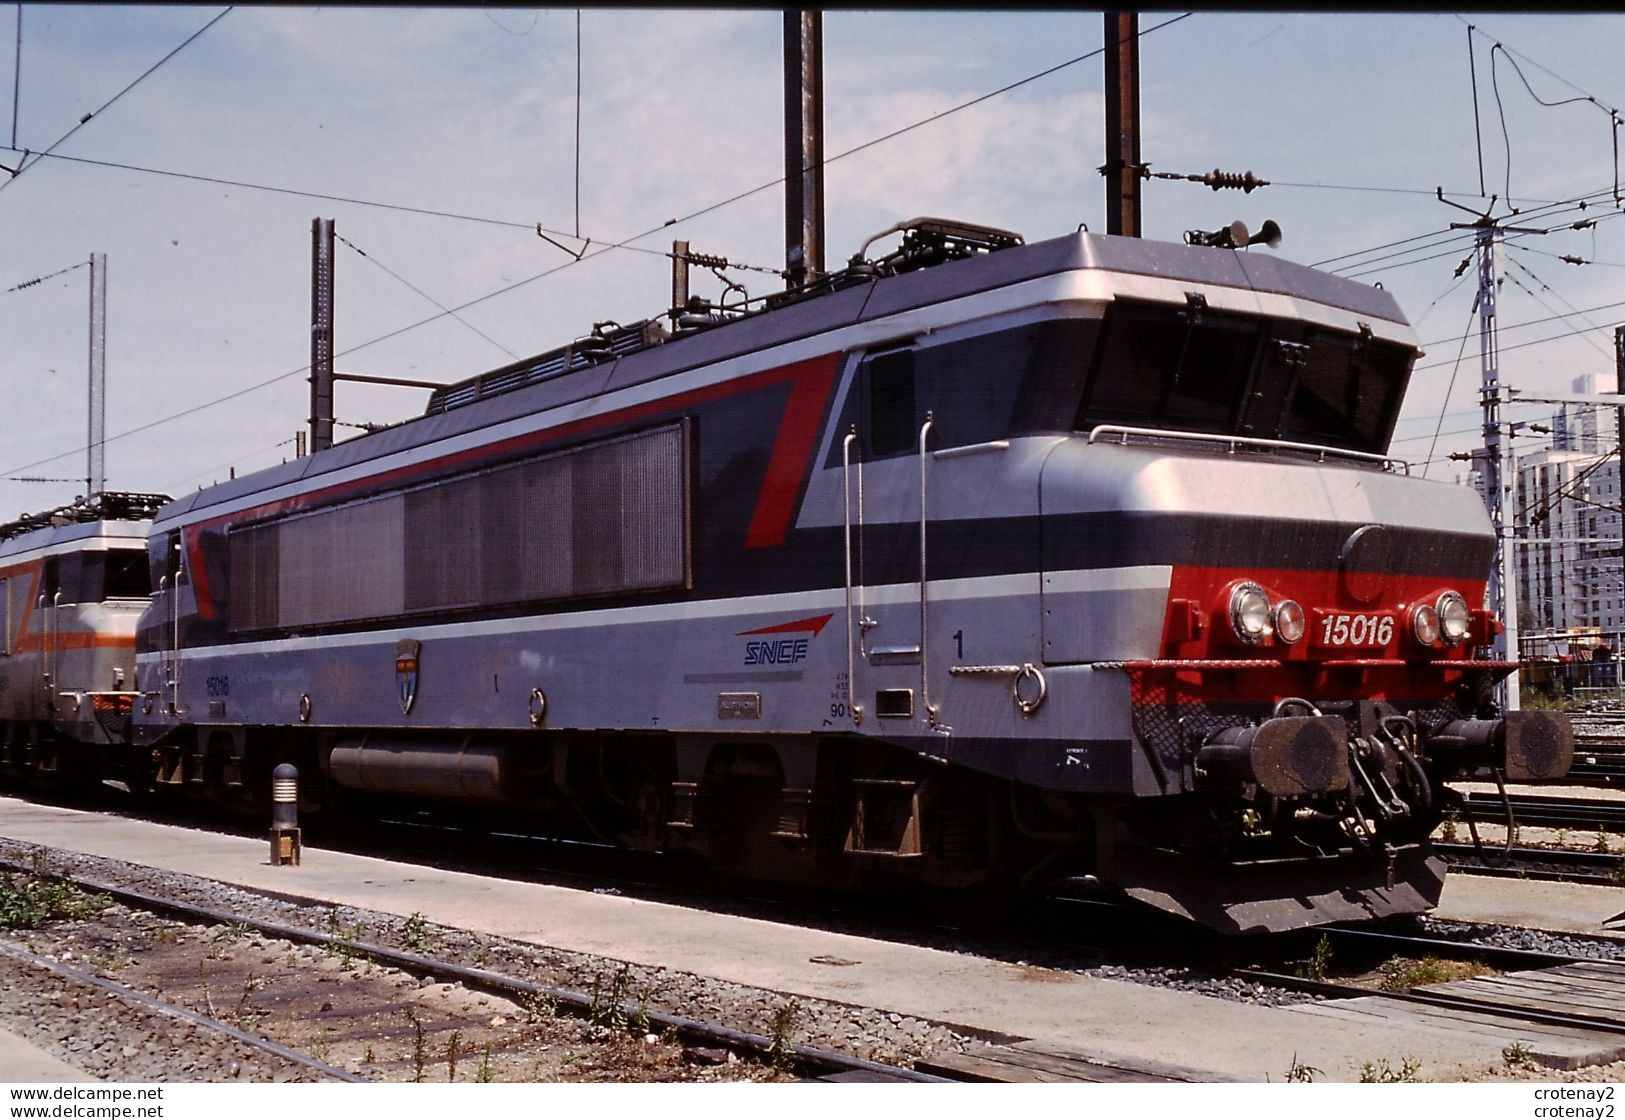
(73, 584)
(979, 564)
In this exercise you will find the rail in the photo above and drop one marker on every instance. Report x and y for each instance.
(1537, 811)
(151, 1003)
(480, 979)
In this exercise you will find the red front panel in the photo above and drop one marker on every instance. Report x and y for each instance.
(1358, 639)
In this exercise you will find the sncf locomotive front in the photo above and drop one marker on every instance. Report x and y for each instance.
(980, 564)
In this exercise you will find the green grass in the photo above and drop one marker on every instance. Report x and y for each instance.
(36, 900)
(1402, 973)
(1381, 1073)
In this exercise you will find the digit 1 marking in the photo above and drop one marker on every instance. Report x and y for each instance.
(959, 641)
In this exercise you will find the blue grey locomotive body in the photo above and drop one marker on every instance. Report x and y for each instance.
(985, 564)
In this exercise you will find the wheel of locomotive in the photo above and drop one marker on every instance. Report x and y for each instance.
(927, 827)
(650, 809)
(962, 831)
(736, 811)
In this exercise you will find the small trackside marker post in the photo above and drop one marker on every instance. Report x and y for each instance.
(285, 836)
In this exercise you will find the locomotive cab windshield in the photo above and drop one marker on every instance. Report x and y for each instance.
(1197, 370)
(96, 576)
(1142, 364)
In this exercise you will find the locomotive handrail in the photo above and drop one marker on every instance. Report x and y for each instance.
(1181, 663)
(175, 639)
(172, 662)
(45, 660)
(972, 449)
(1123, 431)
(163, 655)
(854, 709)
(931, 710)
(56, 647)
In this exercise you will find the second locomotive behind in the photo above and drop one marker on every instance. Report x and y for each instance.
(73, 583)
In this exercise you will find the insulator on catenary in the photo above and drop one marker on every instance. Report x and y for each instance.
(1219, 180)
(1244, 181)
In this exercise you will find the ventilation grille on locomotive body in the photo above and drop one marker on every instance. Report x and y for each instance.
(604, 518)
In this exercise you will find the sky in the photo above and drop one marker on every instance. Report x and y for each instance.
(1355, 119)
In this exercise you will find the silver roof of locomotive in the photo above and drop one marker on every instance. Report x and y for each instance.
(1243, 270)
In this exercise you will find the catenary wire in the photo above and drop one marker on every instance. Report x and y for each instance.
(24, 164)
(38, 280)
(351, 200)
(1451, 388)
(17, 75)
(624, 243)
(1519, 345)
(1586, 96)
(585, 254)
(380, 264)
(1537, 65)
(1572, 312)
(1478, 132)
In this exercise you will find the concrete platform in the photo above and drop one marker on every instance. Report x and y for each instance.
(21, 1062)
(1560, 907)
(1232, 1040)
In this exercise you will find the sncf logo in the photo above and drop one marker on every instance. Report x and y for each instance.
(779, 645)
(785, 651)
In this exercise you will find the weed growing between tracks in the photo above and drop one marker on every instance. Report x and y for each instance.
(781, 1051)
(38, 899)
(1381, 1073)
(420, 1048)
(415, 934)
(347, 936)
(1448, 829)
(1300, 1074)
(1400, 974)
(608, 1010)
(1517, 1056)
(1314, 968)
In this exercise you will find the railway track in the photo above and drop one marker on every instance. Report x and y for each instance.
(1554, 1010)
(1560, 1010)
(1063, 930)
(102, 988)
(1057, 933)
(1545, 864)
(1380, 943)
(1599, 758)
(811, 1062)
(607, 1004)
(1586, 814)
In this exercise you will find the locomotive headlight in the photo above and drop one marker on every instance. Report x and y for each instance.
(1425, 624)
(1250, 613)
(1454, 617)
(1289, 620)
